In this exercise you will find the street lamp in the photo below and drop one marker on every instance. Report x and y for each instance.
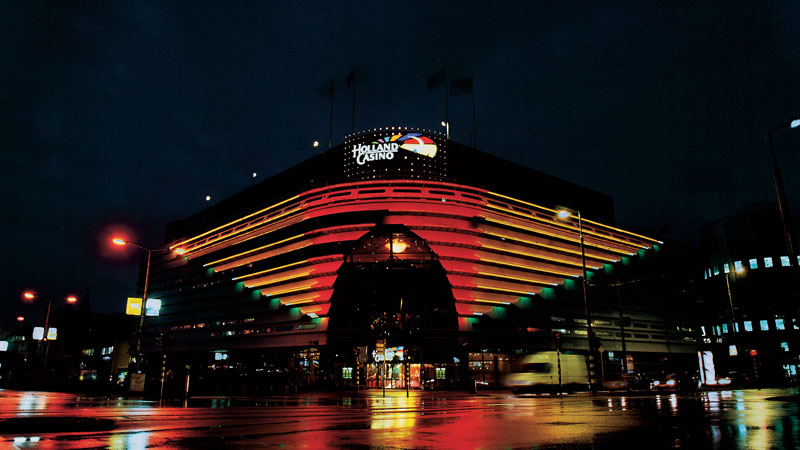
(783, 208)
(29, 295)
(121, 242)
(565, 214)
(314, 148)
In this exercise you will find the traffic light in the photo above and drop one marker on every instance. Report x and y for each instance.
(557, 339)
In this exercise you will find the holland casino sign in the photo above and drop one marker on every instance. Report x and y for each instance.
(386, 147)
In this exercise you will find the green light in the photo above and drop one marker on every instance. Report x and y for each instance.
(525, 302)
(548, 293)
(656, 247)
(626, 261)
(209, 272)
(239, 287)
(571, 284)
(274, 303)
(609, 269)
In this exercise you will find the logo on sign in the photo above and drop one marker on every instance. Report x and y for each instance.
(385, 148)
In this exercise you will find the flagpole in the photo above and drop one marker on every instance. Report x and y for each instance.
(353, 124)
(446, 118)
(330, 123)
(474, 128)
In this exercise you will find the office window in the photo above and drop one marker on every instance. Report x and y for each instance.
(754, 263)
(784, 261)
(779, 325)
(727, 268)
(725, 328)
(748, 325)
(719, 330)
(763, 325)
(716, 270)
(785, 346)
(703, 330)
(736, 327)
(768, 261)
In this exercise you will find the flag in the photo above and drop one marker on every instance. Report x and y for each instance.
(351, 77)
(461, 87)
(435, 80)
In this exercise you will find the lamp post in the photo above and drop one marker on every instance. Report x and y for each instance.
(29, 295)
(565, 214)
(143, 312)
(783, 208)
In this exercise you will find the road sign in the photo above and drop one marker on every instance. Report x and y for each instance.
(137, 382)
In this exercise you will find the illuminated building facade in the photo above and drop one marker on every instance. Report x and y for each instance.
(750, 329)
(454, 258)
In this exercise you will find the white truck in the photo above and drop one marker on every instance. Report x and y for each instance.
(539, 373)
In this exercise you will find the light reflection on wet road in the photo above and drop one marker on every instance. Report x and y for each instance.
(713, 420)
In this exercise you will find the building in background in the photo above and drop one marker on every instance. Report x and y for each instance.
(750, 294)
(402, 258)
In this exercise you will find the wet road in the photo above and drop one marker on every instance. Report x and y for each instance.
(747, 419)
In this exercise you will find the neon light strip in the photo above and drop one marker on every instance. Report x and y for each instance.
(552, 247)
(183, 243)
(526, 280)
(519, 266)
(263, 247)
(270, 270)
(506, 290)
(492, 301)
(530, 255)
(577, 240)
(582, 219)
(586, 231)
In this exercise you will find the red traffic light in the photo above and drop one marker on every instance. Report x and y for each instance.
(20, 318)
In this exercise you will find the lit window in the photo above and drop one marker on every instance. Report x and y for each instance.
(441, 373)
(784, 261)
(737, 266)
(727, 268)
(736, 327)
(107, 350)
(705, 275)
(716, 270)
(347, 373)
(725, 328)
(703, 330)
(732, 350)
(785, 346)
(768, 262)
(763, 325)
(754, 263)
(779, 325)
(719, 330)
(748, 326)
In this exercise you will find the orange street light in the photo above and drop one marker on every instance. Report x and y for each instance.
(118, 241)
(29, 295)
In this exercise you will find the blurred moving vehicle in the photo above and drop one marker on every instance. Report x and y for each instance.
(539, 373)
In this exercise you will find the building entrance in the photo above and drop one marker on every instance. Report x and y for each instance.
(393, 290)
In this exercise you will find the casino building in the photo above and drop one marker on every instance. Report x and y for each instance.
(396, 257)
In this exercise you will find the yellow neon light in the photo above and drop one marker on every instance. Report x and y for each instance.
(530, 255)
(298, 302)
(584, 220)
(563, 225)
(552, 247)
(280, 251)
(254, 250)
(235, 221)
(519, 266)
(527, 280)
(239, 232)
(496, 302)
(280, 292)
(505, 290)
(569, 238)
(278, 280)
(269, 270)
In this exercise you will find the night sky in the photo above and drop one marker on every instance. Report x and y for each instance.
(125, 115)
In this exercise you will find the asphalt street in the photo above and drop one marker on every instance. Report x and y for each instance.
(736, 419)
